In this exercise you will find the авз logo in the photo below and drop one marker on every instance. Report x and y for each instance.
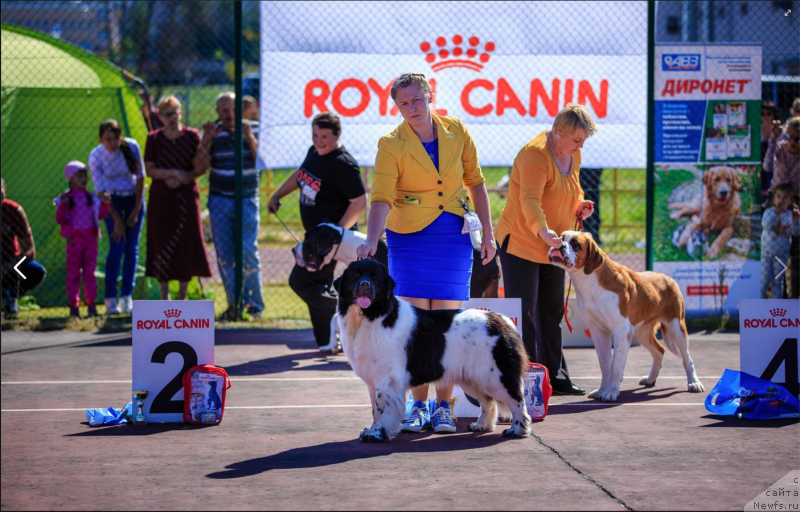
(680, 62)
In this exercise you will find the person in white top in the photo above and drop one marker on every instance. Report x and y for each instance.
(118, 173)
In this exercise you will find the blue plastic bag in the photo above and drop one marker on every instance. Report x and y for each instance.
(745, 396)
(110, 416)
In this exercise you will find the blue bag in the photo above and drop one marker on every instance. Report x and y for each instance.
(745, 396)
(110, 416)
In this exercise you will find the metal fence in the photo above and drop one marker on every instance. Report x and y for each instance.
(70, 66)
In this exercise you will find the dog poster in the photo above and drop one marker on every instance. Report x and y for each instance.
(707, 232)
(706, 222)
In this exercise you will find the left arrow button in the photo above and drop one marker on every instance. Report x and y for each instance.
(16, 267)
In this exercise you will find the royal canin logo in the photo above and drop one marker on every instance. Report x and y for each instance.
(479, 96)
(778, 320)
(455, 56)
(177, 323)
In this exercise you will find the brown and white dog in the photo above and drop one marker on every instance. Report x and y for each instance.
(618, 304)
(714, 210)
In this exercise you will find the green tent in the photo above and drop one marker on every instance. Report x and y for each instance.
(54, 97)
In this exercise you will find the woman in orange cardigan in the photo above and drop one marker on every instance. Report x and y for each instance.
(544, 196)
(418, 194)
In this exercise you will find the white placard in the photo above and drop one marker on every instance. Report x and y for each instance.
(769, 331)
(169, 337)
(512, 308)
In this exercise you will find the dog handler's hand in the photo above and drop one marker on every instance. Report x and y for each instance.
(274, 204)
(366, 250)
(550, 238)
(488, 247)
(585, 209)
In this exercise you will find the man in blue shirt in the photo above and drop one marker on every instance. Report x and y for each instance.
(217, 147)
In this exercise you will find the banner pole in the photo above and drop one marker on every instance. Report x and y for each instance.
(651, 120)
(238, 157)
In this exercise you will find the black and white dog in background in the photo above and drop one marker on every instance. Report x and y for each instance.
(328, 242)
(393, 346)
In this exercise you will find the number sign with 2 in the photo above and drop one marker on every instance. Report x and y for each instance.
(169, 337)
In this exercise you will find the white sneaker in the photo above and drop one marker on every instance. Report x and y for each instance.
(126, 304)
(111, 307)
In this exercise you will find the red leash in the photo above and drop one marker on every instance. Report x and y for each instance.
(579, 225)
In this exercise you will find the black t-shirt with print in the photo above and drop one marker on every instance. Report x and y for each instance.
(327, 184)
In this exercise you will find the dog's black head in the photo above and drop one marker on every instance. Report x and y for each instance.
(366, 284)
(317, 244)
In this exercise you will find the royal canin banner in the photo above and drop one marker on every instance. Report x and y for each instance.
(504, 68)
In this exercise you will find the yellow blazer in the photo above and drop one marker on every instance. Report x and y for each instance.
(405, 178)
(539, 196)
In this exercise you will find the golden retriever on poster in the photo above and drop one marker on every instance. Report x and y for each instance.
(714, 210)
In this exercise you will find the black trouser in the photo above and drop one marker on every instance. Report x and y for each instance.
(482, 275)
(316, 289)
(590, 184)
(15, 286)
(541, 288)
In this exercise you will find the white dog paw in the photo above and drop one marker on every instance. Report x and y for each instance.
(596, 393)
(515, 432)
(645, 382)
(696, 387)
(475, 427)
(373, 435)
(608, 396)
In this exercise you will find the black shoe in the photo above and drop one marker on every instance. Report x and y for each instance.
(566, 388)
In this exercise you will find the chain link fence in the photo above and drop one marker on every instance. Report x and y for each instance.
(68, 67)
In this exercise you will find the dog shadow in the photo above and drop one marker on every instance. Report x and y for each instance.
(291, 362)
(626, 396)
(338, 452)
(734, 422)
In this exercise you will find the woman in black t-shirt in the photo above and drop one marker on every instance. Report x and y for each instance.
(331, 190)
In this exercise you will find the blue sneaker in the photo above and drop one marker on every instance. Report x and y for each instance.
(442, 422)
(419, 419)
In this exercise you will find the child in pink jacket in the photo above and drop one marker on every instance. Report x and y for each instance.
(79, 212)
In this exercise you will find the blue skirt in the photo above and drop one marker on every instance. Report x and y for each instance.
(435, 263)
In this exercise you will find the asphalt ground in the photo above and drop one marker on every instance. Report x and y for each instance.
(289, 439)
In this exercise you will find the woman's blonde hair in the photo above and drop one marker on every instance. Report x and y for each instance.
(408, 79)
(793, 122)
(572, 118)
(169, 101)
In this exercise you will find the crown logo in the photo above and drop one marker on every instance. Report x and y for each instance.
(172, 313)
(443, 56)
(777, 312)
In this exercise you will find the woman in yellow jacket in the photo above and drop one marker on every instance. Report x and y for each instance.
(544, 196)
(418, 194)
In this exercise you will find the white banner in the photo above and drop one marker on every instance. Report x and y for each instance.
(505, 75)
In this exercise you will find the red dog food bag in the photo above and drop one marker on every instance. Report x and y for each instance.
(204, 390)
(537, 391)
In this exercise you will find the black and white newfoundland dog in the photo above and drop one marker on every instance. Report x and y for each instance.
(394, 346)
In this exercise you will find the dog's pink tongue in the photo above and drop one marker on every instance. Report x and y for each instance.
(364, 302)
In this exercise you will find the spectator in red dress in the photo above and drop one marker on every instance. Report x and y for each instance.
(175, 244)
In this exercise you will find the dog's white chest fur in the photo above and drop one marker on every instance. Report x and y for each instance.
(598, 307)
(367, 347)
